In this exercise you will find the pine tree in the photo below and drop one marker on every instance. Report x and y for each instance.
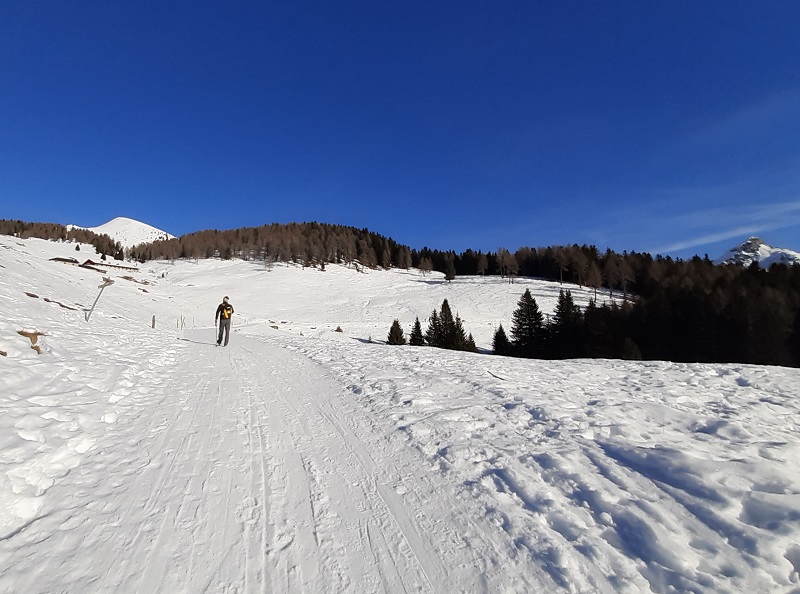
(501, 345)
(445, 331)
(433, 334)
(630, 350)
(416, 338)
(598, 331)
(469, 345)
(527, 329)
(452, 330)
(793, 342)
(448, 333)
(396, 334)
(459, 339)
(567, 328)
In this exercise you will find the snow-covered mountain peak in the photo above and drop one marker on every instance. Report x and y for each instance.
(755, 250)
(129, 232)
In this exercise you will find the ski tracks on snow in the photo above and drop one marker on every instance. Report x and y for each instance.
(245, 469)
(334, 523)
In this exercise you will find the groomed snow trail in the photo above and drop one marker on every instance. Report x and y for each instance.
(239, 471)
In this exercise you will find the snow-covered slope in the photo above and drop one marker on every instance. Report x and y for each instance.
(755, 250)
(129, 232)
(298, 458)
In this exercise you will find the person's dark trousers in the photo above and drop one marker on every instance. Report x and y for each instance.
(224, 325)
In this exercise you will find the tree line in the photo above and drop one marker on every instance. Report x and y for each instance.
(723, 317)
(310, 244)
(753, 323)
(53, 231)
(315, 244)
(653, 306)
(569, 333)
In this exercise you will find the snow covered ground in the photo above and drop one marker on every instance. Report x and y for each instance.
(301, 459)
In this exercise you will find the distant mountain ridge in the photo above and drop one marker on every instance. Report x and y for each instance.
(755, 250)
(128, 232)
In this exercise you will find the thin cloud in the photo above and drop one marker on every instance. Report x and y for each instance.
(726, 224)
(763, 119)
(709, 239)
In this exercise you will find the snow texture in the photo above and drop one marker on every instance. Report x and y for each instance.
(301, 459)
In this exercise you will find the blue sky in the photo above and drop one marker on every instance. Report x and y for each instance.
(667, 127)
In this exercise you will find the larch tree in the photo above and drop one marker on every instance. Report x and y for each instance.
(594, 278)
(482, 264)
(425, 266)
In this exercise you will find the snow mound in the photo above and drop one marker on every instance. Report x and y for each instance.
(128, 232)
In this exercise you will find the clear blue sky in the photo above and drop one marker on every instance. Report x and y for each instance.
(668, 127)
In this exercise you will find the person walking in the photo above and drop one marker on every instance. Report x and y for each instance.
(224, 313)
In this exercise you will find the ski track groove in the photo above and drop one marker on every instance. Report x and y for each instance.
(258, 484)
(171, 511)
(368, 465)
(413, 548)
(245, 470)
(163, 475)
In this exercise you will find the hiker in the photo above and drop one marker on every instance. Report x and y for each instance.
(224, 313)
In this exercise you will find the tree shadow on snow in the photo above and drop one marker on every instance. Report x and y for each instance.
(368, 341)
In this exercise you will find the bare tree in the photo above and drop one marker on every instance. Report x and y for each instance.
(507, 263)
(482, 264)
(366, 255)
(425, 266)
(561, 256)
(402, 257)
(386, 255)
(594, 278)
(625, 276)
(512, 268)
(579, 264)
(611, 272)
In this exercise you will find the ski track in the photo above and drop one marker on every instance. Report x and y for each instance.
(273, 466)
(253, 478)
(581, 495)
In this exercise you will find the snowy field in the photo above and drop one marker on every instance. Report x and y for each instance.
(301, 459)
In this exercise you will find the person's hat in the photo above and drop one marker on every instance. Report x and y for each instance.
(225, 298)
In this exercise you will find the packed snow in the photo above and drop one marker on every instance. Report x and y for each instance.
(304, 459)
(128, 232)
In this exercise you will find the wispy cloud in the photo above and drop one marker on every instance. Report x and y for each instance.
(718, 224)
